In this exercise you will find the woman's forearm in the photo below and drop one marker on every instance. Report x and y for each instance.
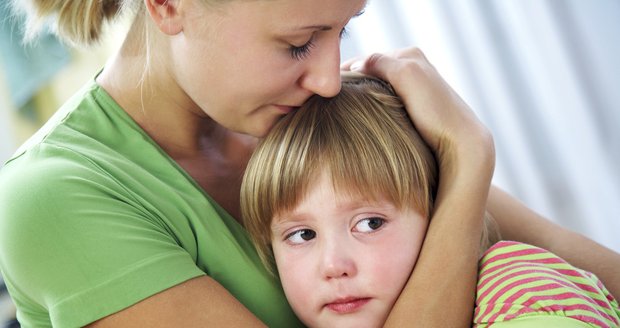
(446, 272)
(517, 222)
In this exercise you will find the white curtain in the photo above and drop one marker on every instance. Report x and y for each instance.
(543, 75)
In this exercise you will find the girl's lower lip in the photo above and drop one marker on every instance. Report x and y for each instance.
(348, 306)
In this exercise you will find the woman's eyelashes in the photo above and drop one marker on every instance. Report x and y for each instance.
(302, 52)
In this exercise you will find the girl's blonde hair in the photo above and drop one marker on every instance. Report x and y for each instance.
(362, 137)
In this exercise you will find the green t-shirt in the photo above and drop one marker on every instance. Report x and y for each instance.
(95, 217)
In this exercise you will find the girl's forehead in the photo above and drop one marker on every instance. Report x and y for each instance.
(343, 193)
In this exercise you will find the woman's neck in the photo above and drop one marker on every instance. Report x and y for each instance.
(140, 82)
(212, 155)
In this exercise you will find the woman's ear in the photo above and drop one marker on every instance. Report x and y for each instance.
(166, 15)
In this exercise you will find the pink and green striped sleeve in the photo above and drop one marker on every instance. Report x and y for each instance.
(520, 285)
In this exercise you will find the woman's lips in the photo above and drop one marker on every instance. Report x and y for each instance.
(347, 305)
(285, 109)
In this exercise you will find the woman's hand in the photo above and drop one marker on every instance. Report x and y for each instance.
(443, 119)
(441, 289)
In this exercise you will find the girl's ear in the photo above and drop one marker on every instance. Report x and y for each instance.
(166, 15)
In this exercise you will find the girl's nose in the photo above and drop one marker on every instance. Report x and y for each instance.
(337, 262)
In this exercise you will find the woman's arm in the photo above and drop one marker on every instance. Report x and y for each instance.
(441, 289)
(517, 222)
(198, 302)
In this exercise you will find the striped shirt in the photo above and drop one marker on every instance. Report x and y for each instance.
(520, 281)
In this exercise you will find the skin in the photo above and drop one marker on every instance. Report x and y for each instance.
(244, 50)
(343, 251)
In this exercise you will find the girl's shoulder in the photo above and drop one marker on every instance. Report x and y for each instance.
(518, 280)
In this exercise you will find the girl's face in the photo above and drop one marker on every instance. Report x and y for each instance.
(247, 63)
(342, 260)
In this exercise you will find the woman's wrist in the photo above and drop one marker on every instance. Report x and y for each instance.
(467, 160)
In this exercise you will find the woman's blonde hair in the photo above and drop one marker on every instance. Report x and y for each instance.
(78, 22)
(362, 137)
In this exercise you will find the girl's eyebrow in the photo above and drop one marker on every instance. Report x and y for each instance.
(288, 218)
(279, 226)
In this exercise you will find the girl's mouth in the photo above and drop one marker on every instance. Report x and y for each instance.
(347, 305)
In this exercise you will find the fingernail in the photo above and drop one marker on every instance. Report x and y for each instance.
(356, 66)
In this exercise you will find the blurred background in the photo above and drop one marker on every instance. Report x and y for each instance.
(543, 75)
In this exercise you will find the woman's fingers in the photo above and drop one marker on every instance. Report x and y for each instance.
(427, 98)
(346, 65)
(437, 111)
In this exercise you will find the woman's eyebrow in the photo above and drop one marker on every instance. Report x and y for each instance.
(321, 27)
(315, 27)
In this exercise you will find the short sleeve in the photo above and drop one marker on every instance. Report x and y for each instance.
(79, 245)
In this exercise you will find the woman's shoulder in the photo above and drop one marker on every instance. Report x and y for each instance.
(88, 158)
(89, 119)
(89, 140)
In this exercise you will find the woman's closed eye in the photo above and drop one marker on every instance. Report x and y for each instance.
(303, 51)
(370, 224)
(300, 236)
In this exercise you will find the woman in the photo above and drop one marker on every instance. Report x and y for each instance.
(123, 209)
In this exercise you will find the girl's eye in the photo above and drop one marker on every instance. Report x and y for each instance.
(369, 224)
(344, 32)
(302, 52)
(301, 236)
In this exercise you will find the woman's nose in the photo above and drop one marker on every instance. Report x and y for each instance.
(322, 75)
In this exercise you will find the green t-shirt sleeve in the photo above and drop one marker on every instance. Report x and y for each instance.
(80, 246)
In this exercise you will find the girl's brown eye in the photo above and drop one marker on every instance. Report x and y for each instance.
(369, 224)
(300, 236)
(375, 223)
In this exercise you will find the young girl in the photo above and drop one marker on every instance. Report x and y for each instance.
(346, 215)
